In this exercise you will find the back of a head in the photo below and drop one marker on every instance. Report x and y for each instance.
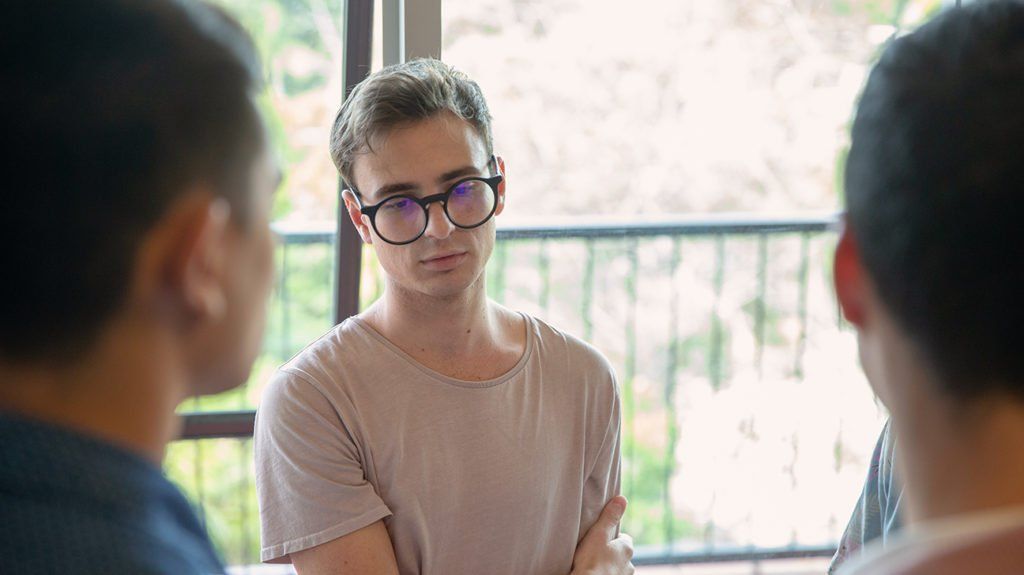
(401, 94)
(935, 192)
(110, 110)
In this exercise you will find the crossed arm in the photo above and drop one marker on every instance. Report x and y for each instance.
(603, 551)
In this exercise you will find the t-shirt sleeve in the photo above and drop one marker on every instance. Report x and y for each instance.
(309, 475)
(604, 479)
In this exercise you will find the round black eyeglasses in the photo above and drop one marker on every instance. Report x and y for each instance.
(403, 219)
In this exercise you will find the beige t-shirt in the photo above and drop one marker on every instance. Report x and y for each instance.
(499, 476)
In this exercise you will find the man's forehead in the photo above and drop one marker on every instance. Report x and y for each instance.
(419, 154)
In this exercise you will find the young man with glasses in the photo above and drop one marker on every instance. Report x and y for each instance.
(437, 432)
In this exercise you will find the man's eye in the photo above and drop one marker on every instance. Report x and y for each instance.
(399, 204)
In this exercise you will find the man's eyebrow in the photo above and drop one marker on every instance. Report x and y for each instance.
(458, 173)
(394, 189)
(390, 189)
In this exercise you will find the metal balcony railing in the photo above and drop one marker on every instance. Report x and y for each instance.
(666, 299)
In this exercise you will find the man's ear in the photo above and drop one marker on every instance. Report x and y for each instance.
(501, 186)
(352, 207)
(850, 279)
(191, 256)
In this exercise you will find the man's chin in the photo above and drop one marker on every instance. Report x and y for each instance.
(447, 289)
(450, 283)
(222, 382)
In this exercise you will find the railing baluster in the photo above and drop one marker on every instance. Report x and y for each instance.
(715, 362)
(588, 292)
(628, 398)
(544, 268)
(500, 264)
(243, 504)
(716, 359)
(759, 305)
(672, 430)
(709, 528)
(801, 342)
(285, 341)
(378, 281)
(244, 451)
(199, 484)
(210, 498)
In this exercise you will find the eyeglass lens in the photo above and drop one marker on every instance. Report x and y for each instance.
(401, 219)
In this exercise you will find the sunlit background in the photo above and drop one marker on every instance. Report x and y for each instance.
(748, 424)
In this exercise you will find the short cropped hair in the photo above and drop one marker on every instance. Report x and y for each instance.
(399, 95)
(934, 189)
(112, 109)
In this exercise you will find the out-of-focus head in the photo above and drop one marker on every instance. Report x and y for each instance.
(138, 182)
(935, 200)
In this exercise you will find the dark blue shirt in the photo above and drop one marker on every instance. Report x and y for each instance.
(70, 504)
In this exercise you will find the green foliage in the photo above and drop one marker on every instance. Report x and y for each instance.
(840, 174)
(648, 519)
(277, 27)
(302, 305)
(875, 11)
(294, 84)
(216, 476)
(891, 12)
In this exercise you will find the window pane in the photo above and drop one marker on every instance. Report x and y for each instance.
(300, 42)
(747, 418)
(671, 106)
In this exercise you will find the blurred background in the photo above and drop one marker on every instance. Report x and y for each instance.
(675, 173)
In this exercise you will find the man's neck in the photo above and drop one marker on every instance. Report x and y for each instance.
(456, 331)
(124, 393)
(959, 458)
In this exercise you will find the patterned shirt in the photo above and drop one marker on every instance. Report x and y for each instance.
(70, 504)
(877, 515)
(974, 543)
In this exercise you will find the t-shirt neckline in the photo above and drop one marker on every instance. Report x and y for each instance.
(515, 370)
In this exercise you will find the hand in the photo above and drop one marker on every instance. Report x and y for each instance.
(603, 551)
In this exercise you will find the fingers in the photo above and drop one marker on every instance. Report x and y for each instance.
(603, 549)
(608, 523)
(616, 507)
(623, 546)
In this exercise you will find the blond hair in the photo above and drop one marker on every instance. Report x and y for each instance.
(402, 94)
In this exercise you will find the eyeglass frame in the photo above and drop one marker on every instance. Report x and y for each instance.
(492, 182)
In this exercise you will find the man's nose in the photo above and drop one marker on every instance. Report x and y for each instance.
(438, 227)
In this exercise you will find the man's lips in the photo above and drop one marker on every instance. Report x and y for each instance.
(445, 260)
